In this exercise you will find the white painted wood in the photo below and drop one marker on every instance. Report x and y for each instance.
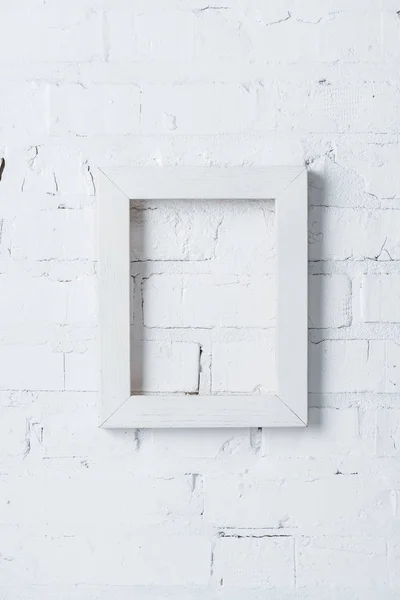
(204, 411)
(292, 305)
(113, 255)
(288, 186)
(202, 183)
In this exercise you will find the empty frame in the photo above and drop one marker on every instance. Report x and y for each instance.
(288, 187)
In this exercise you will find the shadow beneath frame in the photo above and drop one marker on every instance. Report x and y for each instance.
(316, 228)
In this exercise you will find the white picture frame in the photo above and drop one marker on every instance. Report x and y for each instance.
(287, 185)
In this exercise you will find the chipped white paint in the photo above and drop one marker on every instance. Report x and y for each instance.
(188, 515)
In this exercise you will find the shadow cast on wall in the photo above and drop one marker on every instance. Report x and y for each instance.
(316, 228)
(316, 293)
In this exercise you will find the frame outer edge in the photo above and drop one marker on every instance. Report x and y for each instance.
(292, 310)
(114, 263)
(113, 226)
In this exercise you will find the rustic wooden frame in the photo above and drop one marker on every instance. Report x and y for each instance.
(288, 187)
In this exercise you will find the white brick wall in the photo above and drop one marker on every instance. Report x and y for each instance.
(199, 515)
(167, 367)
(94, 110)
(380, 298)
(208, 301)
(252, 562)
(321, 561)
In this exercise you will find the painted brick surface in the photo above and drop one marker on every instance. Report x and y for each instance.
(166, 367)
(178, 301)
(172, 232)
(330, 432)
(241, 367)
(370, 570)
(330, 301)
(380, 298)
(199, 515)
(252, 562)
(100, 109)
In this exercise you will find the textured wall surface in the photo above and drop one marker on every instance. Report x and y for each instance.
(199, 515)
(203, 303)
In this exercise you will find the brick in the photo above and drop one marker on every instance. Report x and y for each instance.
(375, 162)
(305, 38)
(199, 108)
(343, 234)
(13, 431)
(70, 428)
(388, 432)
(172, 231)
(337, 107)
(98, 109)
(220, 34)
(208, 301)
(164, 33)
(23, 110)
(333, 183)
(329, 505)
(44, 33)
(202, 444)
(394, 562)
(244, 367)
(81, 369)
(30, 368)
(32, 300)
(267, 27)
(392, 374)
(330, 432)
(136, 560)
(347, 366)
(340, 504)
(380, 298)
(388, 24)
(82, 301)
(333, 35)
(58, 171)
(139, 500)
(166, 367)
(236, 502)
(253, 562)
(330, 301)
(120, 30)
(350, 562)
(246, 238)
(350, 36)
(65, 235)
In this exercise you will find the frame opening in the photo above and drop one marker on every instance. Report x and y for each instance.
(203, 297)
